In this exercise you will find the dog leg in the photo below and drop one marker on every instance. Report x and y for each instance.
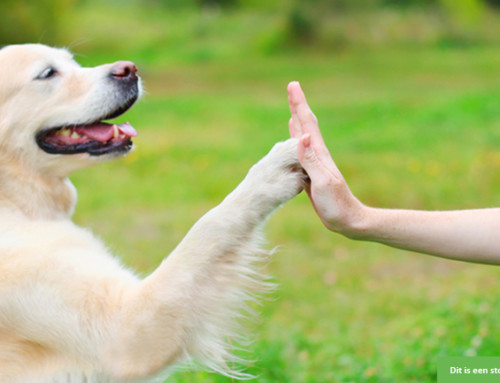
(190, 305)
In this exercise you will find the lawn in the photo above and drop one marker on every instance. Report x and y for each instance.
(410, 127)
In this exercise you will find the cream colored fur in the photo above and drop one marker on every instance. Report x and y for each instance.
(69, 312)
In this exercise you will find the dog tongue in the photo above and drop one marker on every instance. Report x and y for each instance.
(99, 132)
(127, 129)
(104, 132)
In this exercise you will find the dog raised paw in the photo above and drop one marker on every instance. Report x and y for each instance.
(278, 176)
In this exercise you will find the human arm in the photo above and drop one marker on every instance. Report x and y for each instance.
(467, 235)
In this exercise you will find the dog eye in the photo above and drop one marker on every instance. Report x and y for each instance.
(47, 74)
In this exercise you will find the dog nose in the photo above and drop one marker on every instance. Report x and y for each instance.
(124, 70)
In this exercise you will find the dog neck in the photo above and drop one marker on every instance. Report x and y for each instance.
(35, 195)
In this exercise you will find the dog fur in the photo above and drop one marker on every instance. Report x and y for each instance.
(69, 312)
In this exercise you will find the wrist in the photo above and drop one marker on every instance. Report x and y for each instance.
(357, 223)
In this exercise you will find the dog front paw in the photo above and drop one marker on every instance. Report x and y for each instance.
(278, 177)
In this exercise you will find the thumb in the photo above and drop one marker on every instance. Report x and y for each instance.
(308, 158)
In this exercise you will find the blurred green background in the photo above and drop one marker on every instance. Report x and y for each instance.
(408, 97)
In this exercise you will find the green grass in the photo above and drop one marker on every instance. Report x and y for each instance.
(410, 127)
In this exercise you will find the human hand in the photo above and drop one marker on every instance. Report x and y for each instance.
(467, 235)
(332, 199)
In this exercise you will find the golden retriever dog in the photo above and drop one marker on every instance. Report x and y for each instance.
(69, 312)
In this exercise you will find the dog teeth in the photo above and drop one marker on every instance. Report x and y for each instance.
(68, 132)
(116, 132)
(65, 132)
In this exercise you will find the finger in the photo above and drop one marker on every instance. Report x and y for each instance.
(315, 162)
(294, 130)
(303, 115)
(314, 168)
(291, 89)
(297, 128)
(299, 106)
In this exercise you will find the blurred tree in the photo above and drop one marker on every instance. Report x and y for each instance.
(219, 3)
(171, 4)
(493, 3)
(276, 5)
(339, 5)
(301, 25)
(464, 14)
(183, 4)
(32, 21)
(410, 2)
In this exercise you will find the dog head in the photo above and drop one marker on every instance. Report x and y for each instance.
(52, 110)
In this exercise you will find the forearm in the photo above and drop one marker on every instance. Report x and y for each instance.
(467, 235)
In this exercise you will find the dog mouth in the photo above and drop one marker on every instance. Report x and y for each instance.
(95, 139)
